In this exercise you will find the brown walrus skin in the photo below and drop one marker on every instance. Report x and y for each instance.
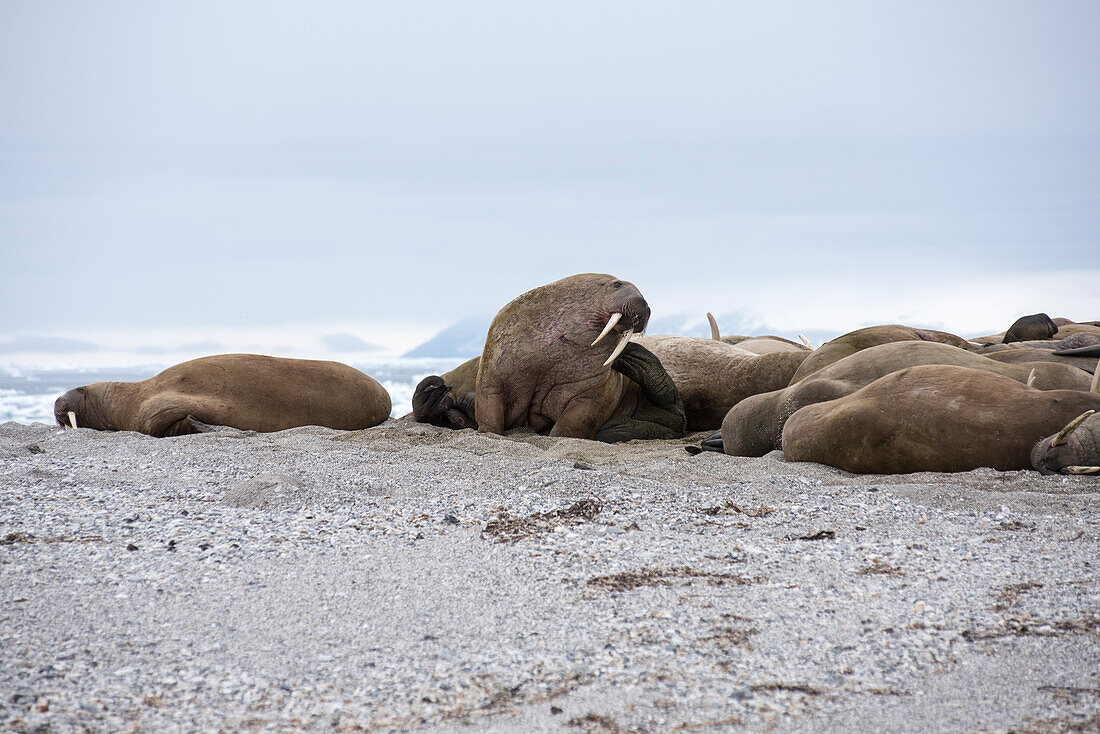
(1027, 328)
(754, 426)
(1074, 349)
(710, 377)
(544, 364)
(1076, 448)
(932, 418)
(713, 376)
(1077, 452)
(872, 336)
(245, 391)
(649, 406)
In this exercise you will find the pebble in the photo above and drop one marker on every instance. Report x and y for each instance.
(342, 589)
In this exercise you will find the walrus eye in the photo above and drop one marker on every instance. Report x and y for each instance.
(618, 284)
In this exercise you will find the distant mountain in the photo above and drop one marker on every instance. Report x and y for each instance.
(690, 324)
(463, 339)
(466, 338)
(54, 344)
(345, 342)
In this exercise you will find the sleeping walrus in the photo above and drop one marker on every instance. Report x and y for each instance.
(1073, 450)
(932, 418)
(754, 426)
(245, 391)
(872, 336)
(713, 376)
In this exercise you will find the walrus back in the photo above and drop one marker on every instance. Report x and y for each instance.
(259, 393)
(932, 418)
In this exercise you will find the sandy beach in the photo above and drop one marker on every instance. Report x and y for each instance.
(409, 578)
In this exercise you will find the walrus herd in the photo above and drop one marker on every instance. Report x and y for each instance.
(571, 359)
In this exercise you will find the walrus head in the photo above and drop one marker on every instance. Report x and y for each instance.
(74, 409)
(1076, 448)
(626, 314)
(1073, 450)
(1028, 328)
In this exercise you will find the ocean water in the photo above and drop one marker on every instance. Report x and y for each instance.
(28, 391)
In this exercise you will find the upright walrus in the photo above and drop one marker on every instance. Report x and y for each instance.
(546, 364)
(245, 391)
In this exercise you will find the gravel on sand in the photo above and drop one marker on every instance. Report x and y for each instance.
(410, 578)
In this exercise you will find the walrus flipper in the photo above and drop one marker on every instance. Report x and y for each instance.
(464, 403)
(713, 442)
(434, 403)
(198, 426)
(642, 366)
(1093, 350)
(659, 413)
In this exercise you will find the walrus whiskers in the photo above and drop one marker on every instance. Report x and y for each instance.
(715, 334)
(72, 419)
(807, 342)
(1030, 377)
(620, 346)
(1070, 428)
(610, 325)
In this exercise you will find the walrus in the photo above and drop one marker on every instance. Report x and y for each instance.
(872, 336)
(709, 377)
(939, 418)
(1073, 450)
(766, 344)
(1092, 350)
(754, 426)
(649, 405)
(245, 391)
(1027, 328)
(543, 367)
(1084, 361)
(1074, 349)
(1033, 331)
(712, 376)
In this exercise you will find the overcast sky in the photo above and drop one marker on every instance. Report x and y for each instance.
(402, 165)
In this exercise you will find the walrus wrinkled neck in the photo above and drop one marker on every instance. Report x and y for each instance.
(108, 404)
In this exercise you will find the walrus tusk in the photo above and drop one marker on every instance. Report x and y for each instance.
(610, 325)
(1096, 378)
(620, 346)
(1070, 428)
(714, 333)
(72, 419)
(1081, 469)
(807, 342)
(1030, 378)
